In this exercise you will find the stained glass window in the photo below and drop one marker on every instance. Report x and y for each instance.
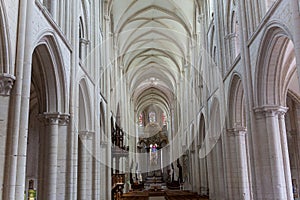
(141, 120)
(152, 117)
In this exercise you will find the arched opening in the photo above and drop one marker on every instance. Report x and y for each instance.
(237, 139)
(235, 42)
(277, 88)
(83, 34)
(85, 144)
(81, 38)
(46, 118)
(237, 114)
(292, 130)
(292, 102)
(102, 123)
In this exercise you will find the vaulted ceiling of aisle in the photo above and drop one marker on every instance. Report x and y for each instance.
(153, 40)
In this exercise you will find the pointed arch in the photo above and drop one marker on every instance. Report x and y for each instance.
(275, 65)
(85, 111)
(202, 131)
(236, 103)
(48, 75)
(85, 15)
(102, 121)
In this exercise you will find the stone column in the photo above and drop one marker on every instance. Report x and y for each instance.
(82, 165)
(197, 169)
(83, 50)
(268, 155)
(203, 172)
(212, 168)
(90, 152)
(108, 186)
(52, 121)
(16, 161)
(62, 157)
(6, 84)
(195, 166)
(285, 153)
(192, 169)
(240, 184)
(172, 134)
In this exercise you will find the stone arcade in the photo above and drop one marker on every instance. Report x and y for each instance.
(188, 99)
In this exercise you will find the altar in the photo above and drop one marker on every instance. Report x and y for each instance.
(151, 157)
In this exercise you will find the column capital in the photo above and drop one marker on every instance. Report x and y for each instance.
(64, 119)
(55, 118)
(271, 110)
(50, 118)
(237, 131)
(84, 41)
(6, 84)
(86, 135)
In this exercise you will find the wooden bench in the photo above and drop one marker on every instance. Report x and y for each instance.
(182, 195)
(169, 195)
(137, 195)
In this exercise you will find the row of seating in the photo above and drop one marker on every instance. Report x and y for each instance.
(137, 195)
(182, 195)
(169, 195)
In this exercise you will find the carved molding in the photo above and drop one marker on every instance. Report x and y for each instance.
(50, 118)
(238, 131)
(84, 41)
(6, 84)
(55, 118)
(271, 110)
(64, 119)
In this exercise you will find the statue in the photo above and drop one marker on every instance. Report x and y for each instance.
(172, 172)
(180, 180)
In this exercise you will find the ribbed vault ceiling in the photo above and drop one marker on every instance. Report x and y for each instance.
(153, 40)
